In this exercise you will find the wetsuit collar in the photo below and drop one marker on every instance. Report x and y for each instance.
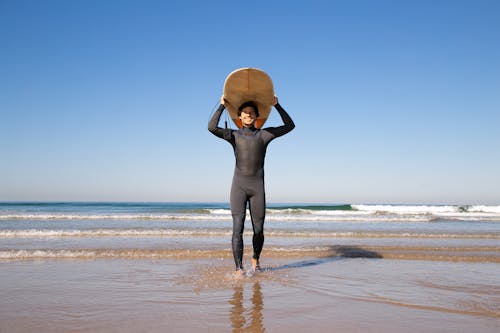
(253, 128)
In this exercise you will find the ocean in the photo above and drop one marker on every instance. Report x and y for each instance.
(108, 229)
(133, 266)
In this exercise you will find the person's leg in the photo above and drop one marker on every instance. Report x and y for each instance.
(238, 200)
(258, 214)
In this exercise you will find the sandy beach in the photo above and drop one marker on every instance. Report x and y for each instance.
(332, 294)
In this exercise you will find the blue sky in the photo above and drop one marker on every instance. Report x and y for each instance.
(394, 101)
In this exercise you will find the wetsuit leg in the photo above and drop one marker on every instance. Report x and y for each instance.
(238, 200)
(258, 213)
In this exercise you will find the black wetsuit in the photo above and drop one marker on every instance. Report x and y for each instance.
(249, 145)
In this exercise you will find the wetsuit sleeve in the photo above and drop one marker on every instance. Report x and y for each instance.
(287, 121)
(212, 124)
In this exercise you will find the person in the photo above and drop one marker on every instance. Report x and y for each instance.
(249, 145)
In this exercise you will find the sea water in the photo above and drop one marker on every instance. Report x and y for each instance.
(110, 229)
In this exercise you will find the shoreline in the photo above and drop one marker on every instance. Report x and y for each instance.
(480, 254)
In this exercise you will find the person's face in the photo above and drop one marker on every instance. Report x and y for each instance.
(248, 116)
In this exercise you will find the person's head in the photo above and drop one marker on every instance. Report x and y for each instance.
(248, 113)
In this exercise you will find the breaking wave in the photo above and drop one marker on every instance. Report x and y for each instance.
(369, 213)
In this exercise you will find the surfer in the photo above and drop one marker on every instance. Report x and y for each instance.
(249, 145)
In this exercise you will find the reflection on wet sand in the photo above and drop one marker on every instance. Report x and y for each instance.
(248, 319)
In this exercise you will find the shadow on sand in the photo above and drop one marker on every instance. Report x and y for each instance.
(335, 252)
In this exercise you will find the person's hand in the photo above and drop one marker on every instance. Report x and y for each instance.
(275, 100)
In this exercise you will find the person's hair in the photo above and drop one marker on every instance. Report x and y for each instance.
(251, 104)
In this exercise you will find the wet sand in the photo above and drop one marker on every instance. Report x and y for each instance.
(361, 292)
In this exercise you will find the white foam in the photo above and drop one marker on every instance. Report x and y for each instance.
(484, 209)
(34, 233)
(92, 233)
(427, 209)
(402, 209)
(220, 211)
(31, 254)
(368, 213)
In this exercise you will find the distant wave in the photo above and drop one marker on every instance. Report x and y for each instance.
(427, 209)
(313, 207)
(315, 213)
(106, 216)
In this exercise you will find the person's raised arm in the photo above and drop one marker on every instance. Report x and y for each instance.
(213, 123)
(285, 117)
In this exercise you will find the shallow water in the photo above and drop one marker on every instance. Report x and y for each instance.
(292, 295)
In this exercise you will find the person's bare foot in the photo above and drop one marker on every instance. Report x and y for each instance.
(255, 265)
(238, 274)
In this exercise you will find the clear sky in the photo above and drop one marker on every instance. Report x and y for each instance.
(394, 101)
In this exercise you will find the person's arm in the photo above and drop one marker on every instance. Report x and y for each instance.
(287, 121)
(212, 124)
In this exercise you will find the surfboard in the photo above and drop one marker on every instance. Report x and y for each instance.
(249, 84)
